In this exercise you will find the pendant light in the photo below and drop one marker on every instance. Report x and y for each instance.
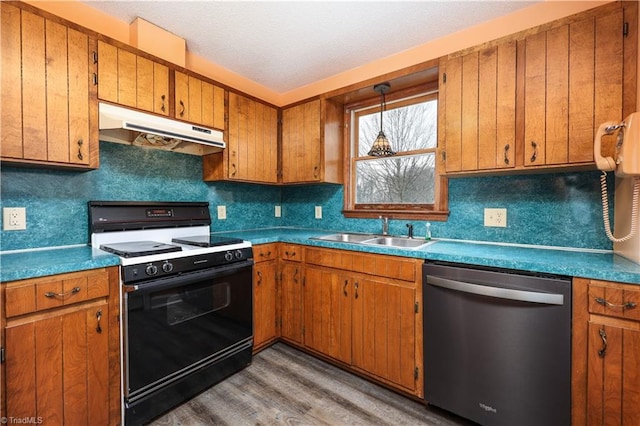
(381, 146)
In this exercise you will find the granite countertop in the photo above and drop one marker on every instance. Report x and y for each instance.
(574, 263)
(41, 262)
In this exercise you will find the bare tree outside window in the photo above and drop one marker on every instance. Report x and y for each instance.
(409, 176)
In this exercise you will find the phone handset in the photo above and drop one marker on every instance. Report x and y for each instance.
(608, 164)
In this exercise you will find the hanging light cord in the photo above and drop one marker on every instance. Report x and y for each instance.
(634, 209)
(382, 108)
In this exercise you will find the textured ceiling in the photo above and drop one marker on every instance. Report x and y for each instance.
(287, 45)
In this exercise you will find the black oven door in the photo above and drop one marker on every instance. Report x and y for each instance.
(176, 326)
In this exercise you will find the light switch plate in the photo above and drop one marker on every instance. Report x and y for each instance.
(278, 211)
(14, 218)
(222, 212)
(318, 212)
(495, 218)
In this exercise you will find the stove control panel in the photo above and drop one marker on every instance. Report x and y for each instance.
(179, 265)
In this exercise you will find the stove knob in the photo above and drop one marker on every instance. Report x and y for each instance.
(228, 256)
(151, 270)
(238, 254)
(167, 267)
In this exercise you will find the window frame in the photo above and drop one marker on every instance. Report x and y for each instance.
(438, 211)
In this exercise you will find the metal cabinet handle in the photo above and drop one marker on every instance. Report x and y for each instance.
(356, 288)
(259, 278)
(626, 305)
(182, 111)
(290, 254)
(295, 276)
(268, 254)
(603, 351)
(51, 294)
(315, 172)
(99, 317)
(80, 156)
(506, 154)
(534, 145)
(235, 169)
(162, 108)
(344, 288)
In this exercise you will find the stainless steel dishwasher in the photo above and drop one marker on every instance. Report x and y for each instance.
(497, 345)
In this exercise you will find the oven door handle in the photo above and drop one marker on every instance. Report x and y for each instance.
(187, 278)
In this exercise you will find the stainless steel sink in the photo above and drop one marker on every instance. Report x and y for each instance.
(376, 240)
(346, 237)
(397, 242)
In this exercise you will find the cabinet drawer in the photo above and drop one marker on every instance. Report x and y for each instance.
(291, 252)
(23, 297)
(372, 264)
(614, 299)
(264, 252)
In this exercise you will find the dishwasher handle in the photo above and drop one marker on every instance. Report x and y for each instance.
(497, 292)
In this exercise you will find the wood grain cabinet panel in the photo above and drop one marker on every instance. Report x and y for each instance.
(199, 101)
(291, 302)
(265, 293)
(312, 142)
(252, 144)
(606, 360)
(48, 64)
(62, 355)
(132, 80)
(534, 100)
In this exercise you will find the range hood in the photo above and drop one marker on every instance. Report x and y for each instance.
(123, 125)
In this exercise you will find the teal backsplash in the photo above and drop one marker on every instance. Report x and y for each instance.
(551, 209)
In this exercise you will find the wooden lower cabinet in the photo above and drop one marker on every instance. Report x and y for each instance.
(384, 330)
(265, 273)
(291, 326)
(363, 310)
(328, 299)
(606, 360)
(62, 363)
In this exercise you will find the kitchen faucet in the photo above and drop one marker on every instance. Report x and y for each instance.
(385, 225)
(410, 226)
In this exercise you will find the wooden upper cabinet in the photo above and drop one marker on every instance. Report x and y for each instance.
(479, 92)
(312, 142)
(573, 82)
(252, 144)
(199, 101)
(131, 80)
(49, 110)
(537, 98)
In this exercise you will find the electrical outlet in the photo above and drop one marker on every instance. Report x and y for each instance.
(318, 212)
(14, 218)
(278, 211)
(222, 212)
(495, 217)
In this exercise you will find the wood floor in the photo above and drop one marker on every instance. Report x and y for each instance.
(284, 386)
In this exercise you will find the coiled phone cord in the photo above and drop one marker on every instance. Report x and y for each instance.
(634, 208)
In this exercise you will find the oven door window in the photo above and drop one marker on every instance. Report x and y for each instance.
(171, 330)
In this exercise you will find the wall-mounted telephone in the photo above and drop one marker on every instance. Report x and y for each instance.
(626, 164)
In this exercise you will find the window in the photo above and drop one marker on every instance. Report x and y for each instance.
(406, 185)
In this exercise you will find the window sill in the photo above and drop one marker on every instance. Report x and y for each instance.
(438, 216)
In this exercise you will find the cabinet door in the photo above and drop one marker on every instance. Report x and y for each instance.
(199, 101)
(384, 330)
(291, 302)
(613, 374)
(327, 313)
(47, 64)
(301, 156)
(264, 305)
(573, 82)
(57, 367)
(252, 146)
(480, 99)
